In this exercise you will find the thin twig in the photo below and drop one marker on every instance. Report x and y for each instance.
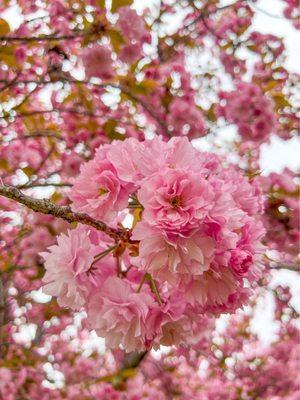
(204, 14)
(122, 88)
(43, 38)
(34, 135)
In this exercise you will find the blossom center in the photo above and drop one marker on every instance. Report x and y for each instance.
(102, 191)
(175, 202)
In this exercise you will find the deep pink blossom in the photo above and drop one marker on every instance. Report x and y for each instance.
(97, 62)
(185, 118)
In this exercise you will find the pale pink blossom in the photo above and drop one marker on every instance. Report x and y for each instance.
(176, 202)
(166, 259)
(98, 190)
(70, 273)
(119, 314)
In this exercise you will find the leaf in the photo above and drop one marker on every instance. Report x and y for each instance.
(56, 197)
(7, 55)
(137, 216)
(211, 115)
(116, 40)
(270, 85)
(252, 47)
(110, 130)
(280, 100)
(101, 3)
(4, 27)
(115, 4)
(109, 126)
(145, 86)
(29, 171)
(128, 373)
(4, 164)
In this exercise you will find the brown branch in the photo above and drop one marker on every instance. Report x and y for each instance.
(45, 206)
(132, 360)
(59, 79)
(34, 135)
(42, 38)
(295, 268)
(2, 314)
(45, 184)
(2, 304)
(147, 108)
(53, 110)
(204, 13)
(128, 369)
(8, 84)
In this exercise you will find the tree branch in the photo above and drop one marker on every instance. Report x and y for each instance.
(204, 13)
(2, 304)
(44, 184)
(42, 38)
(128, 369)
(295, 268)
(34, 135)
(132, 360)
(45, 206)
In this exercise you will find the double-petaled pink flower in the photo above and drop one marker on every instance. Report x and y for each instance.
(176, 202)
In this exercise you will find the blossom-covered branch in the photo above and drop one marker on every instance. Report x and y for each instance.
(45, 206)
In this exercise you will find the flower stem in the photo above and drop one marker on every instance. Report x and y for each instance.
(148, 277)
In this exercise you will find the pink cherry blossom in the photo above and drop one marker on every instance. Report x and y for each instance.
(119, 314)
(131, 24)
(176, 202)
(185, 117)
(250, 110)
(104, 195)
(166, 258)
(70, 273)
(97, 62)
(110, 104)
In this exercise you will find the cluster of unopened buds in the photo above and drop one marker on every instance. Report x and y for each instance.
(191, 251)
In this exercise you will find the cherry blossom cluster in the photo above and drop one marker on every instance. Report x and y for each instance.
(195, 241)
(174, 98)
(97, 58)
(291, 11)
(250, 110)
(281, 217)
(233, 22)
